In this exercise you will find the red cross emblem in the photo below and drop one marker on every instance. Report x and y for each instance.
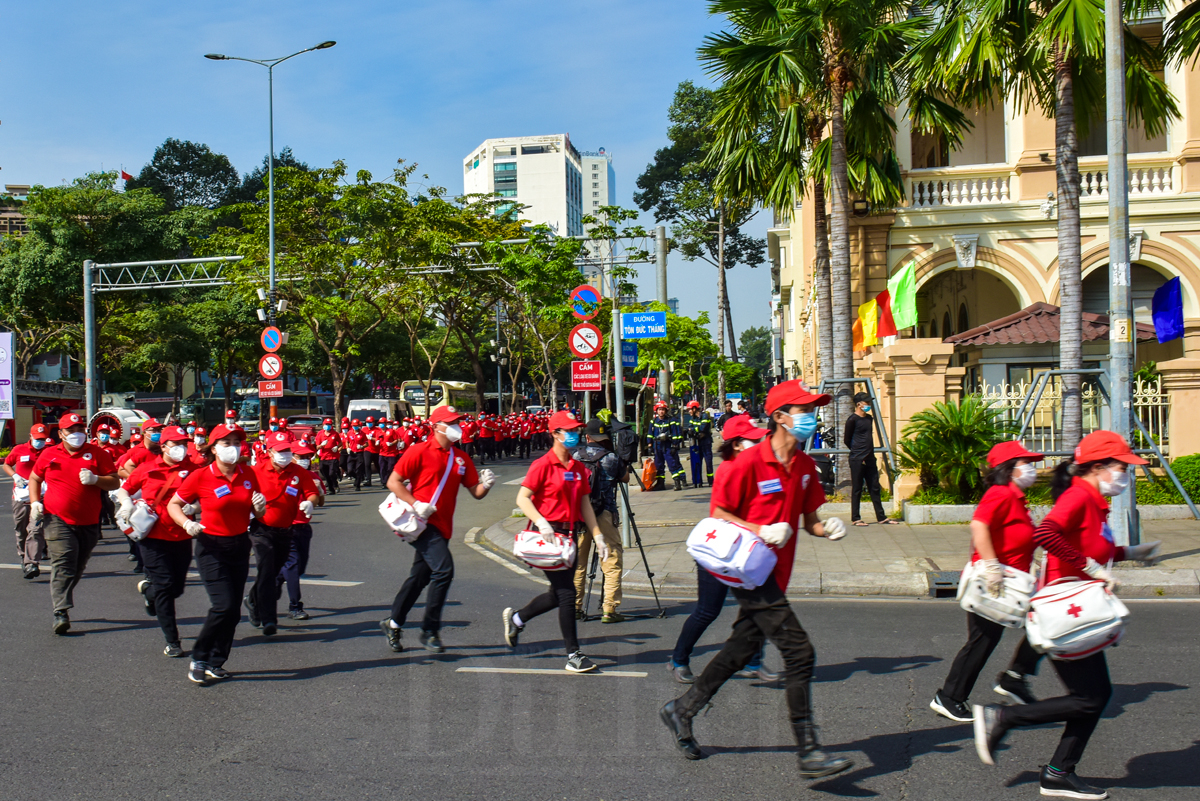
(712, 535)
(1074, 611)
(540, 543)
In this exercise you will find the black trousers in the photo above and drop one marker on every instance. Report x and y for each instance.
(343, 462)
(355, 468)
(525, 447)
(386, 465)
(223, 564)
(166, 564)
(296, 564)
(369, 466)
(1088, 690)
(432, 567)
(765, 615)
(271, 549)
(864, 469)
(329, 474)
(982, 638)
(562, 595)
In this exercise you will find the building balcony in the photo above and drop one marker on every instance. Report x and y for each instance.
(975, 185)
(1150, 175)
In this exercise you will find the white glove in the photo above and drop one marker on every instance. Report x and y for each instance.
(544, 526)
(36, 510)
(601, 548)
(487, 479)
(1147, 552)
(306, 508)
(424, 510)
(835, 529)
(776, 533)
(124, 505)
(1100, 572)
(193, 528)
(190, 509)
(259, 502)
(19, 482)
(87, 477)
(993, 577)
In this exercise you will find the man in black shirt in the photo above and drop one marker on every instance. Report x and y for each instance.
(724, 418)
(859, 438)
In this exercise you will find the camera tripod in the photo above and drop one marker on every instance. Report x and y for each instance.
(595, 562)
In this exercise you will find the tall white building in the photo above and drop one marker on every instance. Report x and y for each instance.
(542, 173)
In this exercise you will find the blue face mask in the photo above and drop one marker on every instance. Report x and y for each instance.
(570, 439)
(38, 444)
(103, 437)
(155, 436)
(274, 428)
(327, 428)
(804, 425)
(866, 409)
(191, 429)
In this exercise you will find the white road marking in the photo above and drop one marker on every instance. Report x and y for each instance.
(627, 674)
(472, 543)
(193, 574)
(516, 482)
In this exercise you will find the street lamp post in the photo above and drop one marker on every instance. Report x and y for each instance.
(270, 64)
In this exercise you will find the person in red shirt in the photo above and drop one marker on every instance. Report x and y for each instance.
(555, 496)
(370, 452)
(31, 542)
(289, 491)
(1001, 534)
(389, 449)
(354, 442)
(526, 433)
(1079, 546)
(297, 560)
(149, 451)
(70, 479)
(106, 441)
(227, 495)
(167, 548)
(428, 477)
(344, 456)
(773, 489)
(487, 437)
(328, 446)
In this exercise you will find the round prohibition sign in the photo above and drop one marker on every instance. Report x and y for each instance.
(270, 366)
(585, 340)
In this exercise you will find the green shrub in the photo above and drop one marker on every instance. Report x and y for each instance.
(1187, 468)
(1152, 494)
(947, 445)
(937, 496)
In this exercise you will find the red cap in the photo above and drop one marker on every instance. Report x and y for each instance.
(150, 423)
(174, 434)
(693, 404)
(444, 414)
(302, 448)
(564, 420)
(200, 432)
(793, 393)
(102, 427)
(1001, 452)
(135, 436)
(222, 431)
(39, 431)
(328, 421)
(274, 420)
(371, 419)
(742, 426)
(68, 420)
(231, 414)
(279, 441)
(1105, 445)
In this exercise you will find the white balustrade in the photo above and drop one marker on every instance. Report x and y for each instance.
(945, 190)
(1144, 181)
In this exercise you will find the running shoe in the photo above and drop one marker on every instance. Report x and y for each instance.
(430, 641)
(1057, 784)
(761, 673)
(613, 617)
(173, 650)
(682, 673)
(578, 663)
(269, 629)
(196, 673)
(62, 623)
(392, 634)
(512, 632)
(954, 710)
(989, 731)
(218, 673)
(298, 614)
(143, 586)
(251, 612)
(1013, 685)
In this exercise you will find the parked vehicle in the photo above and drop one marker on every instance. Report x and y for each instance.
(305, 425)
(458, 394)
(378, 408)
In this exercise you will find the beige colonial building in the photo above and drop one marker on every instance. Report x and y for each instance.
(980, 224)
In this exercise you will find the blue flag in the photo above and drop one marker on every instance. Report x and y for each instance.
(1168, 311)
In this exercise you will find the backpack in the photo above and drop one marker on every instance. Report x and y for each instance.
(624, 441)
(602, 486)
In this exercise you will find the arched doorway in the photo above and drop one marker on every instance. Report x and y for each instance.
(1144, 281)
(962, 299)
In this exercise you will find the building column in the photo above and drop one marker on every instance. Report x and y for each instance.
(1181, 380)
(919, 367)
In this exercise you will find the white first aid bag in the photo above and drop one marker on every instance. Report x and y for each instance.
(734, 555)
(1010, 608)
(400, 515)
(545, 553)
(1073, 619)
(21, 494)
(141, 522)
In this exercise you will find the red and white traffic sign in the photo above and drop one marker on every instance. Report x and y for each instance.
(585, 376)
(585, 340)
(585, 302)
(270, 366)
(270, 389)
(271, 339)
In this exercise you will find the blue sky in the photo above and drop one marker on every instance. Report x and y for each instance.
(100, 85)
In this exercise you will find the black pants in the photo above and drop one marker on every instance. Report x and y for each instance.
(562, 595)
(355, 466)
(271, 548)
(370, 465)
(764, 615)
(386, 465)
(432, 567)
(1089, 688)
(329, 474)
(296, 564)
(864, 469)
(166, 569)
(982, 638)
(710, 599)
(343, 462)
(525, 447)
(223, 563)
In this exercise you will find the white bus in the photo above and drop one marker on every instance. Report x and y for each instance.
(458, 394)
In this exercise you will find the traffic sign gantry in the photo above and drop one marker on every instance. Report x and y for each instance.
(272, 339)
(270, 366)
(585, 340)
(585, 302)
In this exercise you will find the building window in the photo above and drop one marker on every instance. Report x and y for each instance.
(595, 176)
(595, 185)
(963, 323)
(595, 203)
(595, 194)
(504, 175)
(530, 150)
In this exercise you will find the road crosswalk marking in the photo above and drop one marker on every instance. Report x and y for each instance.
(620, 674)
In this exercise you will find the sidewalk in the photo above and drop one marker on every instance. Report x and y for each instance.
(902, 560)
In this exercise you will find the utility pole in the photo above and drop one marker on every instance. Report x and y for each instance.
(1122, 331)
(499, 358)
(91, 372)
(660, 254)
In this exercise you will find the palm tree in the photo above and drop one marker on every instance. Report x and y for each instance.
(1048, 53)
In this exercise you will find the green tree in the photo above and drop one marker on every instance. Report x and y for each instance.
(947, 444)
(688, 342)
(255, 182)
(738, 377)
(229, 329)
(188, 174)
(756, 349)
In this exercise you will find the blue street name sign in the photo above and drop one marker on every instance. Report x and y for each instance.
(733, 396)
(644, 325)
(629, 354)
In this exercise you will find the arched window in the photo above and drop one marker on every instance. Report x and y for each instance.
(963, 324)
(947, 331)
(933, 329)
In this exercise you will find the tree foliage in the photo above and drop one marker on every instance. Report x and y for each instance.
(188, 174)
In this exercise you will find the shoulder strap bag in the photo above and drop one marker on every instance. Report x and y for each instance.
(401, 516)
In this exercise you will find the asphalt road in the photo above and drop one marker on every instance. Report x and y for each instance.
(325, 711)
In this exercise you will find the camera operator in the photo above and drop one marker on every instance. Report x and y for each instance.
(607, 470)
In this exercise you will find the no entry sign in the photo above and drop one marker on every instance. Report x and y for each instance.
(585, 376)
(585, 340)
(585, 302)
(270, 366)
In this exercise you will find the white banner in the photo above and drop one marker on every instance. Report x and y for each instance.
(8, 387)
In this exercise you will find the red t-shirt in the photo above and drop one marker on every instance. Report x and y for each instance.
(225, 503)
(158, 480)
(22, 458)
(114, 449)
(300, 518)
(137, 456)
(1082, 512)
(284, 489)
(423, 465)
(62, 495)
(1002, 509)
(557, 488)
(756, 488)
(373, 436)
(328, 446)
(388, 443)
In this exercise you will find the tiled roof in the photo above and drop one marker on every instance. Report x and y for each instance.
(1037, 324)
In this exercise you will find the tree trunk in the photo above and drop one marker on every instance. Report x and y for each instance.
(733, 352)
(721, 297)
(839, 269)
(821, 279)
(1070, 351)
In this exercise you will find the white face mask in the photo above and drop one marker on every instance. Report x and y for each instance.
(199, 441)
(281, 458)
(1024, 475)
(76, 440)
(453, 432)
(177, 453)
(227, 454)
(1120, 482)
(303, 463)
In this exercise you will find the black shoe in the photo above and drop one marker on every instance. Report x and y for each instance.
(1013, 685)
(680, 724)
(761, 673)
(173, 650)
(578, 663)
(393, 635)
(817, 764)
(678, 486)
(682, 673)
(431, 642)
(252, 613)
(62, 623)
(142, 587)
(298, 614)
(989, 731)
(32, 571)
(269, 629)
(131, 558)
(954, 710)
(579, 615)
(512, 632)
(217, 673)
(1068, 785)
(196, 673)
